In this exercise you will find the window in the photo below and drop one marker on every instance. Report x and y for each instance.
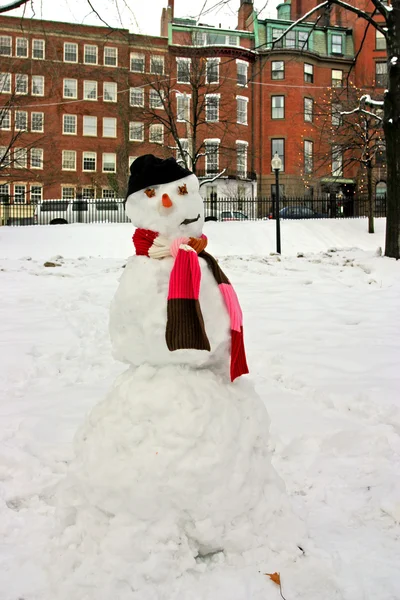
(303, 40)
(157, 65)
(109, 127)
(212, 107)
(21, 83)
(278, 146)
(90, 54)
(5, 119)
(70, 88)
(37, 122)
(380, 155)
(290, 39)
(308, 156)
(156, 99)
(212, 70)
(67, 192)
(36, 158)
(241, 158)
(337, 78)
(201, 38)
(308, 109)
(70, 52)
(137, 62)
(156, 134)
(241, 72)
(183, 70)
(337, 161)
(337, 44)
(4, 193)
(380, 40)
(212, 156)
(184, 142)
(5, 83)
(276, 33)
(278, 107)
(277, 69)
(110, 56)
(106, 193)
(20, 158)
(182, 107)
(21, 120)
(109, 91)
(89, 125)
(136, 131)
(5, 45)
(69, 160)
(89, 161)
(131, 160)
(38, 49)
(380, 190)
(90, 90)
(37, 85)
(381, 74)
(241, 110)
(21, 49)
(109, 162)
(36, 193)
(88, 193)
(69, 124)
(136, 96)
(308, 73)
(19, 193)
(336, 116)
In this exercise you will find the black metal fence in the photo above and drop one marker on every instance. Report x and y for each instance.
(234, 209)
(57, 212)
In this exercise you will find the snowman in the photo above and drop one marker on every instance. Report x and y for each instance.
(173, 468)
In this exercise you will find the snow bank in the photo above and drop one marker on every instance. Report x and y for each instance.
(232, 238)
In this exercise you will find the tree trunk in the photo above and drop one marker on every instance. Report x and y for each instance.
(391, 126)
(371, 199)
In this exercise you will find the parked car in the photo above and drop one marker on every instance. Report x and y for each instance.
(61, 212)
(300, 212)
(226, 215)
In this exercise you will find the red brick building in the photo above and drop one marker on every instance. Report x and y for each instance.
(79, 103)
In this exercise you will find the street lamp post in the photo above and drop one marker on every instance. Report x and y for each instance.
(276, 164)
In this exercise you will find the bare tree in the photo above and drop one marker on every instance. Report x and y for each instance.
(385, 19)
(185, 99)
(353, 130)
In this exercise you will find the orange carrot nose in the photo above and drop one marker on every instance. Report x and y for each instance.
(166, 201)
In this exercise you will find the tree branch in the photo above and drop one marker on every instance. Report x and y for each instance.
(12, 5)
(327, 3)
(213, 178)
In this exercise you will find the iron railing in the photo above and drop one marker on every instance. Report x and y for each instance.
(54, 212)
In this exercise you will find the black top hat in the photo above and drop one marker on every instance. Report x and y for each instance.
(148, 170)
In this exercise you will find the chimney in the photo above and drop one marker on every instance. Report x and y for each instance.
(167, 17)
(245, 10)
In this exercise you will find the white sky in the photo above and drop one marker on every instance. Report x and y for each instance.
(139, 16)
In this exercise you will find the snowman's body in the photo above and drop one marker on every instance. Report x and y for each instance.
(173, 466)
(139, 312)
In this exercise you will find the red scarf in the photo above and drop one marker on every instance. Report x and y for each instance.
(185, 324)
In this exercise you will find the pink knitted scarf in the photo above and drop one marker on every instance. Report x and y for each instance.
(185, 324)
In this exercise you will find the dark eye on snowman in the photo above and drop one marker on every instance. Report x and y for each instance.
(182, 190)
(150, 192)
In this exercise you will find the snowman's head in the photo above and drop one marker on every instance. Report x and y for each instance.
(164, 197)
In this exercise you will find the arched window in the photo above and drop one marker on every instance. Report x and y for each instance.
(380, 189)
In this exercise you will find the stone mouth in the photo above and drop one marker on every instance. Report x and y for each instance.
(188, 221)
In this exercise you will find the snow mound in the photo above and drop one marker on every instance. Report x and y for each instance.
(171, 469)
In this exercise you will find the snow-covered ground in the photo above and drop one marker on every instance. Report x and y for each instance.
(322, 337)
